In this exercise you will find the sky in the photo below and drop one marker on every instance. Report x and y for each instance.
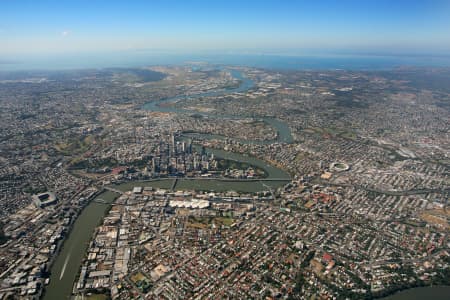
(283, 26)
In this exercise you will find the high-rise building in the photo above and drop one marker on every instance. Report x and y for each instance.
(172, 144)
(189, 146)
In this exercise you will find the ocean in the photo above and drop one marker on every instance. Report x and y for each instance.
(282, 62)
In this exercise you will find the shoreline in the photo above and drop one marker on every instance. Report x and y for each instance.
(60, 244)
(407, 293)
(63, 242)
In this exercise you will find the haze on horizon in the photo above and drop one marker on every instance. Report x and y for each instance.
(49, 27)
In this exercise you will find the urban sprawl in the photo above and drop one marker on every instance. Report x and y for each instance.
(226, 182)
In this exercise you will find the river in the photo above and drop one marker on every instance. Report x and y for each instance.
(275, 178)
(245, 84)
(284, 135)
(67, 265)
(284, 132)
(68, 262)
(429, 292)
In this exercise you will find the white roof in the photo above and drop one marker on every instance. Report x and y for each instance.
(137, 189)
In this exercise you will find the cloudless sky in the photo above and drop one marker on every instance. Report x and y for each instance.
(36, 27)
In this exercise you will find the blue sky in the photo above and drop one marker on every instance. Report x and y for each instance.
(396, 26)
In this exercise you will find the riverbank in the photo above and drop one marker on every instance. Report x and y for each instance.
(206, 184)
(66, 265)
(419, 293)
(284, 133)
(275, 178)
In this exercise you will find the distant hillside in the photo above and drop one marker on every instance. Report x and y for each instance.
(143, 75)
(121, 74)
